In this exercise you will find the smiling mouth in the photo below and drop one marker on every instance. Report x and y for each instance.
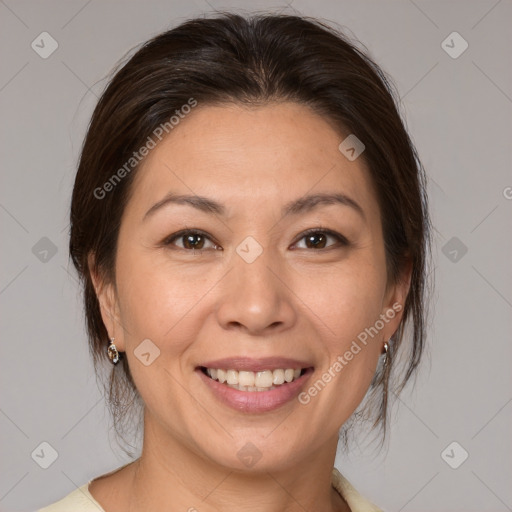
(243, 380)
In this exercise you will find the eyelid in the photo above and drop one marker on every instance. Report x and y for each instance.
(340, 238)
(189, 231)
(192, 231)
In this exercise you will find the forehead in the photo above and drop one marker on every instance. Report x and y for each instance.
(252, 157)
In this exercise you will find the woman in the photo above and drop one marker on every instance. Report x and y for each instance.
(249, 219)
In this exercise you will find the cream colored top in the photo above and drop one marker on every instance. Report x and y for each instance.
(81, 500)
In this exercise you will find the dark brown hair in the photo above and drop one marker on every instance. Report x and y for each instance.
(251, 60)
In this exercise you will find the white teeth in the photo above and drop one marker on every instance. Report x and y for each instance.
(278, 377)
(232, 377)
(250, 388)
(212, 373)
(263, 379)
(246, 378)
(254, 381)
(221, 376)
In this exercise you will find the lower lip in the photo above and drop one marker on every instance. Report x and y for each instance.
(256, 401)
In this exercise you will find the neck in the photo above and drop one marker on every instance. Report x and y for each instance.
(170, 476)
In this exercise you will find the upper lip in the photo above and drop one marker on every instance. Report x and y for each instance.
(256, 365)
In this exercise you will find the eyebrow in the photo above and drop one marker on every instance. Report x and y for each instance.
(298, 206)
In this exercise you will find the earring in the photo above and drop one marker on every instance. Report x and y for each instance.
(112, 352)
(386, 348)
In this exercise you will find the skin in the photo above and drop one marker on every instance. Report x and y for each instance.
(293, 300)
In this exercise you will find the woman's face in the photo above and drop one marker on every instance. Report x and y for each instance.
(252, 291)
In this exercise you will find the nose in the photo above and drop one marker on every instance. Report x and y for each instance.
(255, 297)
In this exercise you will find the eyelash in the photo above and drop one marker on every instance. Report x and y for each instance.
(180, 234)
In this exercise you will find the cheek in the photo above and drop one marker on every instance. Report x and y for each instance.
(345, 299)
(346, 302)
(156, 299)
(159, 306)
(348, 308)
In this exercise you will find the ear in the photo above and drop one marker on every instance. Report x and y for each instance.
(394, 301)
(109, 306)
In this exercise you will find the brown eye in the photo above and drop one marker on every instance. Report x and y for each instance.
(190, 240)
(318, 239)
(193, 241)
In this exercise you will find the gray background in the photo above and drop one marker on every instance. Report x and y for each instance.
(458, 111)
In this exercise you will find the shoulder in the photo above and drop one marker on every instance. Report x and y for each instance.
(355, 501)
(80, 500)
